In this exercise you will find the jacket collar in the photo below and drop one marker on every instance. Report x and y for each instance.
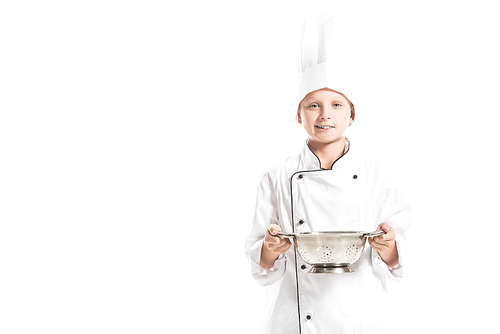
(312, 162)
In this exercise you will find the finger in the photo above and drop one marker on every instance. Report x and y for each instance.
(271, 232)
(272, 240)
(274, 229)
(387, 237)
(376, 239)
(381, 241)
(378, 248)
(372, 242)
(379, 244)
(275, 248)
(385, 227)
(283, 248)
(374, 245)
(285, 242)
(282, 243)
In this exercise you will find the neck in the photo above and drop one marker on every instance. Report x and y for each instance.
(328, 153)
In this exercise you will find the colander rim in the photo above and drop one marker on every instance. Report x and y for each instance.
(330, 232)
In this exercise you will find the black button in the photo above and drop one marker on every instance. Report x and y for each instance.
(301, 176)
(355, 177)
(303, 267)
(308, 317)
(301, 222)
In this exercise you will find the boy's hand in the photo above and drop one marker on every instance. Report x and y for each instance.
(277, 245)
(385, 245)
(385, 241)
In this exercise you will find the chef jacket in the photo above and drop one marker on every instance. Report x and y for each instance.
(356, 194)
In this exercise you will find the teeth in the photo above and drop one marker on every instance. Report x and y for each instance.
(324, 127)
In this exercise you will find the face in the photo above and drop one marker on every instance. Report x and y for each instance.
(325, 115)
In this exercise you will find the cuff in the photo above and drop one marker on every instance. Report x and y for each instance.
(380, 267)
(262, 276)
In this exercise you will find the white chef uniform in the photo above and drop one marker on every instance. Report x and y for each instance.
(356, 194)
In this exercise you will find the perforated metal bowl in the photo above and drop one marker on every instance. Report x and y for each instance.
(330, 252)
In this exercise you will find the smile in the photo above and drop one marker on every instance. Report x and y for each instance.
(324, 127)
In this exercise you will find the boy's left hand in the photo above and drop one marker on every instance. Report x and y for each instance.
(384, 242)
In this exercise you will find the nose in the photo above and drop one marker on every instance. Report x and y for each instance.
(325, 114)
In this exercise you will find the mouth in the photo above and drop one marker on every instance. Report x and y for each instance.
(324, 127)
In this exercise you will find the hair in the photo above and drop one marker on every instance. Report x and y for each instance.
(353, 110)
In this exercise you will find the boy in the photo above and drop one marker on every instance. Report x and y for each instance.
(327, 187)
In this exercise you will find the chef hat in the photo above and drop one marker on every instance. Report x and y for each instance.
(323, 57)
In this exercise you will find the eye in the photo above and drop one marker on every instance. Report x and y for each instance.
(314, 105)
(337, 105)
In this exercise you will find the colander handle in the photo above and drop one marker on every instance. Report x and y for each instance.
(374, 234)
(281, 234)
(285, 235)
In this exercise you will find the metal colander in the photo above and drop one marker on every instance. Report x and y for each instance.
(330, 252)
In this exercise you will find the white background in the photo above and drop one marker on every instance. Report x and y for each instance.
(133, 135)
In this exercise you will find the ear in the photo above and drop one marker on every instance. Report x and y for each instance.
(351, 120)
(299, 119)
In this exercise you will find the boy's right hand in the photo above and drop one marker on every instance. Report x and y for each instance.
(277, 245)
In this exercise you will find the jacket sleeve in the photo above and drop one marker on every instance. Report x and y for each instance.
(266, 213)
(396, 211)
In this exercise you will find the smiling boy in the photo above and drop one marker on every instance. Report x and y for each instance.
(327, 187)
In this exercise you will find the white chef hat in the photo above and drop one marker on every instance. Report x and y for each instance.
(323, 57)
